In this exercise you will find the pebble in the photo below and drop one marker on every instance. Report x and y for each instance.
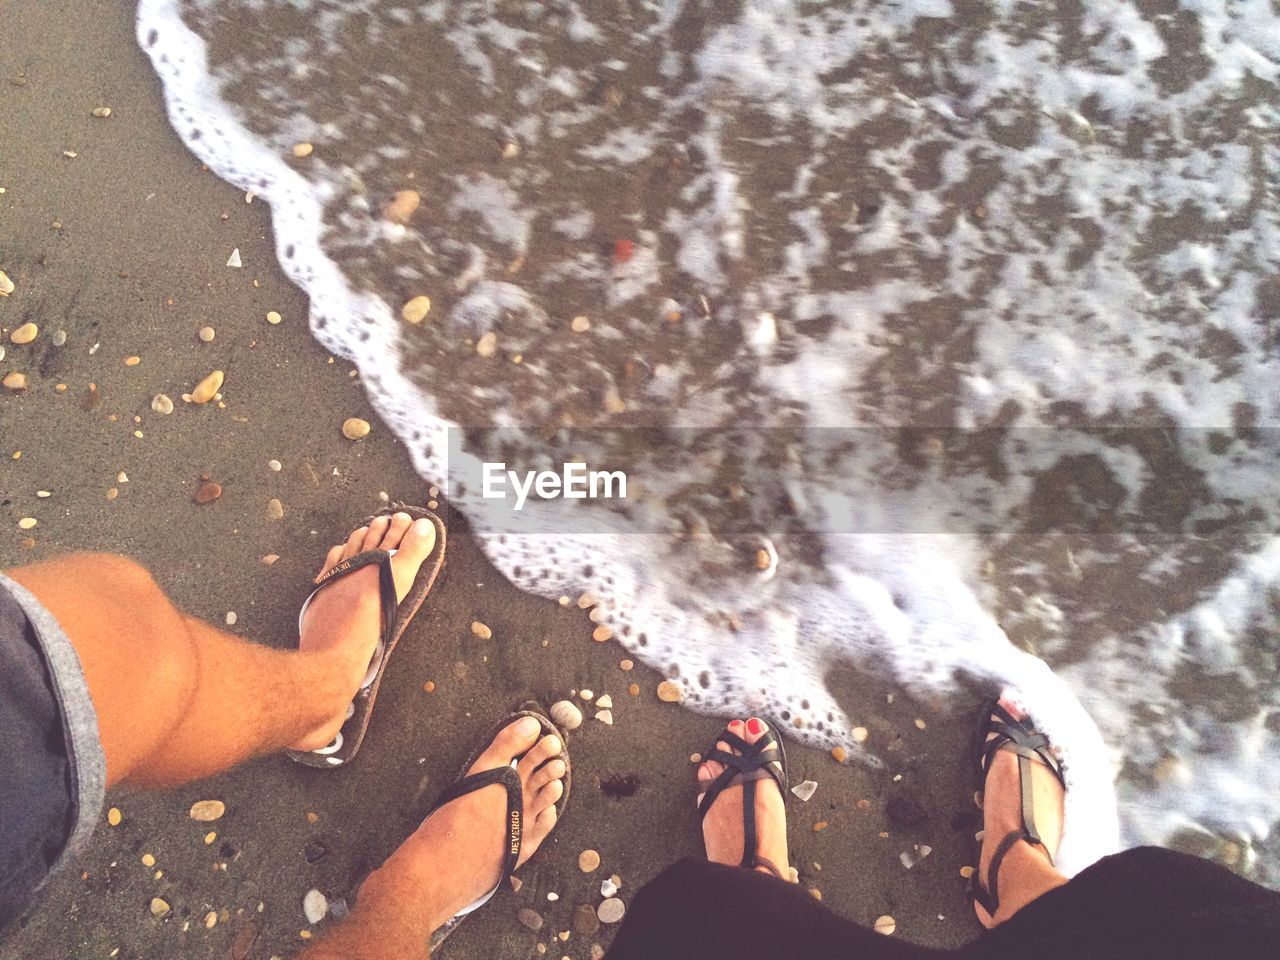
(59, 337)
(604, 701)
(859, 734)
(275, 509)
(102, 112)
(586, 694)
(605, 717)
(566, 715)
(210, 920)
(44, 494)
(132, 361)
(402, 206)
(15, 381)
(611, 910)
(601, 633)
(243, 943)
(510, 150)
(487, 345)
(353, 428)
(148, 860)
(669, 692)
(480, 631)
(967, 872)
(161, 404)
(530, 918)
(206, 388)
(206, 334)
(886, 925)
(805, 789)
(231, 618)
(158, 907)
(26, 523)
(838, 754)
(207, 811)
(234, 259)
(608, 887)
(6, 285)
(301, 150)
(553, 896)
(25, 333)
(114, 816)
(207, 492)
(274, 466)
(210, 837)
(627, 665)
(820, 826)
(270, 558)
(580, 324)
(634, 689)
(273, 318)
(314, 906)
(429, 686)
(588, 860)
(315, 851)
(416, 310)
(585, 920)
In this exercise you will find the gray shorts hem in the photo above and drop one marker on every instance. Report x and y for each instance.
(79, 719)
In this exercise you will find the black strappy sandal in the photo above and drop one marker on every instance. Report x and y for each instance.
(395, 619)
(747, 768)
(1020, 737)
(514, 822)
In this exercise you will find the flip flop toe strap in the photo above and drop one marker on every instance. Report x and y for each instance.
(508, 778)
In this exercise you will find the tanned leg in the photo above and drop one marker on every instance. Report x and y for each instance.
(178, 699)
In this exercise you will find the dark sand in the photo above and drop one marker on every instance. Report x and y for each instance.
(137, 268)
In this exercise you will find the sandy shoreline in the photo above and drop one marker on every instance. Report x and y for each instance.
(135, 269)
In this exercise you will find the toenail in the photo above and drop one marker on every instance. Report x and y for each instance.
(421, 525)
(553, 744)
(528, 726)
(401, 516)
(755, 726)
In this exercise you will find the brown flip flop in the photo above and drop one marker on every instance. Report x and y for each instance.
(344, 746)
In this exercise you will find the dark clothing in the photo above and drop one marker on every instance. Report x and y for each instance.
(1143, 903)
(37, 809)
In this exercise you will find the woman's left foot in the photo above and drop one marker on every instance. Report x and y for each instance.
(722, 825)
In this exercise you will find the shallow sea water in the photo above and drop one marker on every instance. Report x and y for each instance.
(937, 338)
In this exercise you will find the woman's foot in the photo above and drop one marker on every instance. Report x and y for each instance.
(1026, 871)
(344, 619)
(722, 825)
(455, 857)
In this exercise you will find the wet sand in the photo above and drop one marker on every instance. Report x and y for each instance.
(135, 267)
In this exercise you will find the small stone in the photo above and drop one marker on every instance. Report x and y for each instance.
(210, 837)
(886, 925)
(148, 860)
(805, 789)
(859, 734)
(315, 851)
(301, 150)
(210, 920)
(402, 205)
(516, 883)
(207, 492)
(601, 633)
(416, 310)
(25, 333)
(26, 523)
(487, 345)
(275, 509)
(314, 906)
(611, 910)
(480, 631)
(604, 701)
(15, 381)
(586, 695)
(158, 907)
(102, 112)
(273, 318)
(920, 724)
(820, 826)
(242, 945)
(585, 920)
(967, 872)
(70, 154)
(161, 404)
(510, 150)
(206, 388)
(605, 717)
(6, 285)
(588, 860)
(44, 494)
(132, 361)
(626, 665)
(530, 918)
(608, 887)
(566, 715)
(59, 337)
(231, 618)
(580, 324)
(114, 816)
(234, 259)
(206, 334)
(353, 428)
(633, 689)
(838, 754)
(207, 811)
(669, 692)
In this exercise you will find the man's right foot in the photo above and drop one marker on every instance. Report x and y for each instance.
(455, 857)
(722, 826)
(345, 616)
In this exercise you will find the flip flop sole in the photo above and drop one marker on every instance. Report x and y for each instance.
(351, 736)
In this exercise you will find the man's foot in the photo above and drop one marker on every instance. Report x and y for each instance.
(1002, 815)
(722, 826)
(345, 617)
(455, 857)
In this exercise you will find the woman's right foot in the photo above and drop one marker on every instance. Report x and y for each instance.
(1027, 871)
(722, 825)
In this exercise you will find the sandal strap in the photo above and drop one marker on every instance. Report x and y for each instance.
(388, 605)
(510, 779)
(745, 768)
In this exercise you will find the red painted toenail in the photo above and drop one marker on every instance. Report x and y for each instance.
(755, 726)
